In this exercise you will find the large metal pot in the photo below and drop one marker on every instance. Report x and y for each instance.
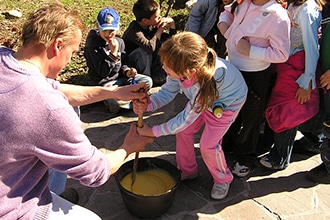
(148, 206)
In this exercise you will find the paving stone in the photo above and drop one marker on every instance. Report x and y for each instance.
(263, 194)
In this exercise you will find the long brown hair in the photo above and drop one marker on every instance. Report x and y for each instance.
(185, 51)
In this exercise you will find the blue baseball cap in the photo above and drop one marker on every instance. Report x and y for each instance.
(108, 19)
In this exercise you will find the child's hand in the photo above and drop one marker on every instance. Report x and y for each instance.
(325, 80)
(130, 73)
(146, 131)
(303, 95)
(168, 22)
(140, 105)
(243, 46)
(113, 45)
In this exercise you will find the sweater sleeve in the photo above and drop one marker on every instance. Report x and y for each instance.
(309, 24)
(165, 95)
(125, 65)
(142, 38)
(196, 16)
(64, 147)
(182, 119)
(226, 16)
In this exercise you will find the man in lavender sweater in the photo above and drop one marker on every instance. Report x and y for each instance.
(39, 128)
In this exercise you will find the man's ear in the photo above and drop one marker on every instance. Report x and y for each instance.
(58, 45)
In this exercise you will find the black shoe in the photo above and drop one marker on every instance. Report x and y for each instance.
(319, 174)
(71, 195)
(303, 146)
(267, 163)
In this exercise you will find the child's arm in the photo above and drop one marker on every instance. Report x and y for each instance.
(135, 36)
(164, 23)
(148, 45)
(196, 16)
(226, 18)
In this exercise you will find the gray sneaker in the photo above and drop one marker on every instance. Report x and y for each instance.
(219, 190)
(240, 170)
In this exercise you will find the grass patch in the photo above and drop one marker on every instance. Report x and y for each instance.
(76, 71)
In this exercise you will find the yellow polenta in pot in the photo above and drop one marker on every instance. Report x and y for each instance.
(149, 182)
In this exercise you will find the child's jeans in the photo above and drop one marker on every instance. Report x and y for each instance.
(141, 60)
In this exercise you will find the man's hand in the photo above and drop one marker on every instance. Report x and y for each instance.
(133, 142)
(129, 92)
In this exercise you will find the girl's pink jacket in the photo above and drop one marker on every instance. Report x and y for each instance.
(267, 28)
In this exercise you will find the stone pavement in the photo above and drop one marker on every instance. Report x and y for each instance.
(263, 194)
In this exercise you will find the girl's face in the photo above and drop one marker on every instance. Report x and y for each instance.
(170, 72)
(108, 35)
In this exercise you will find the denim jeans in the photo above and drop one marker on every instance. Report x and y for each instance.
(57, 181)
(141, 61)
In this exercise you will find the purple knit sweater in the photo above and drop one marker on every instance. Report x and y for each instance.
(38, 130)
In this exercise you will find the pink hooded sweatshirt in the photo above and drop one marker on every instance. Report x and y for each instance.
(266, 27)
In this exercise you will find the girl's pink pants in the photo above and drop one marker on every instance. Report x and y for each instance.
(210, 146)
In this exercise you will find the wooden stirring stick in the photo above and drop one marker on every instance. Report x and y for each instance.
(140, 125)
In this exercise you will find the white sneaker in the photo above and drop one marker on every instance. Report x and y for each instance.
(219, 190)
(265, 162)
(240, 170)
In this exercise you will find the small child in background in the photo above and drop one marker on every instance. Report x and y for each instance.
(295, 96)
(108, 64)
(257, 33)
(203, 19)
(144, 37)
(216, 91)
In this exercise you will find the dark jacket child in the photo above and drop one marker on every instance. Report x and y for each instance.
(144, 37)
(108, 64)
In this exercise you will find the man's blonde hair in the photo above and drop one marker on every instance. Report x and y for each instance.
(186, 51)
(48, 23)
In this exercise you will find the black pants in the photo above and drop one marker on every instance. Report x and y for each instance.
(244, 132)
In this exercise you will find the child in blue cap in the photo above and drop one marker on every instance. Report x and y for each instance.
(107, 62)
